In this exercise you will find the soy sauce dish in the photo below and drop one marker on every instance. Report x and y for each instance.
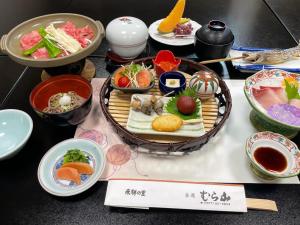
(272, 156)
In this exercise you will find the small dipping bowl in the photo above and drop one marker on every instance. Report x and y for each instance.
(39, 98)
(15, 129)
(278, 142)
(165, 57)
(171, 75)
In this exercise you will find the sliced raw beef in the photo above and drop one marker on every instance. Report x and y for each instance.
(41, 53)
(295, 102)
(268, 96)
(29, 40)
(83, 35)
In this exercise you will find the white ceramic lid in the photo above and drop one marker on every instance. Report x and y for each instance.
(127, 31)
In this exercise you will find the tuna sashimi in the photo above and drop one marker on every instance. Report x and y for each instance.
(83, 35)
(41, 53)
(268, 96)
(27, 41)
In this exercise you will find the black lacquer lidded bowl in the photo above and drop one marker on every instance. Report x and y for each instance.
(213, 40)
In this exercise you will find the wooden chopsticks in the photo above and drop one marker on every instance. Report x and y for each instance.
(221, 60)
(261, 204)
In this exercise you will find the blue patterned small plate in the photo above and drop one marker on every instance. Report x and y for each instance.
(53, 160)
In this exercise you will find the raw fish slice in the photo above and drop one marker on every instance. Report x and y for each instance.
(295, 102)
(279, 91)
(29, 40)
(68, 173)
(268, 97)
(82, 168)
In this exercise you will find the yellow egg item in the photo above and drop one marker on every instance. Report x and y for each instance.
(169, 23)
(167, 123)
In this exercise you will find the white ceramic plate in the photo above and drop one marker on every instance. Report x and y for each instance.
(141, 123)
(154, 34)
(52, 160)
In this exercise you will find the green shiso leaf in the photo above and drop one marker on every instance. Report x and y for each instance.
(171, 106)
(75, 155)
(291, 90)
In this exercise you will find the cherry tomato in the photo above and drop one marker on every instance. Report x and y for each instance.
(123, 82)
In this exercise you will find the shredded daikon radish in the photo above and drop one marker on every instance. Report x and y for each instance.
(64, 41)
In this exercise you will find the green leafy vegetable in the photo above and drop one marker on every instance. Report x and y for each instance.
(291, 90)
(75, 155)
(132, 69)
(171, 106)
(51, 48)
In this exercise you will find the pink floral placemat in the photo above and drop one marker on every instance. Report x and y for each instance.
(214, 163)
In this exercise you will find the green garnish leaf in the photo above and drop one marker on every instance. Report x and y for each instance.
(171, 105)
(135, 68)
(291, 90)
(75, 155)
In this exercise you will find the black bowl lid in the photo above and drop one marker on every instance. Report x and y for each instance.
(215, 33)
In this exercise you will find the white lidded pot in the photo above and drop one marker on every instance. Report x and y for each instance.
(127, 36)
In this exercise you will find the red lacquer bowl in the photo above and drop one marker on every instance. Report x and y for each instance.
(165, 61)
(40, 95)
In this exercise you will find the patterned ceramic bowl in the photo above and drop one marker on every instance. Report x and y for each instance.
(268, 86)
(284, 147)
(53, 159)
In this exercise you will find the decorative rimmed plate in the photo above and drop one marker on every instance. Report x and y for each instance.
(174, 41)
(52, 161)
(139, 123)
(259, 116)
(269, 139)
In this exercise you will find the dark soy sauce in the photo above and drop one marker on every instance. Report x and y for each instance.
(271, 159)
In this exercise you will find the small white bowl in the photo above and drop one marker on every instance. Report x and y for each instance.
(127, 36)
(15, 129)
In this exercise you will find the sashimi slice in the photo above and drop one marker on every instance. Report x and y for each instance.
(68, 173)
(269, 96)
(41, 53)
(295, 102)
(278, 90)
(82, 168)
(29, 40)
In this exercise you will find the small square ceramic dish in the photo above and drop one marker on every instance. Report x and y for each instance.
(53, 160)
(139, 123)
(272, 155)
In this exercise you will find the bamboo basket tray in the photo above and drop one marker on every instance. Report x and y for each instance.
(115, 105)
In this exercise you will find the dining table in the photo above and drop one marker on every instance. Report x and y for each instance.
(24, 201)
